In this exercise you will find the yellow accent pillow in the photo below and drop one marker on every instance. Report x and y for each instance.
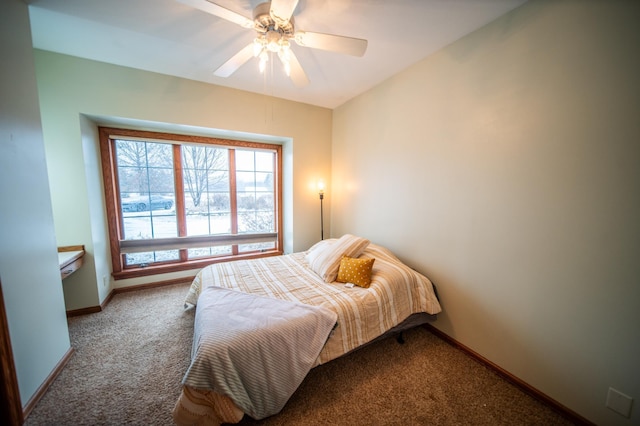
(356, 271)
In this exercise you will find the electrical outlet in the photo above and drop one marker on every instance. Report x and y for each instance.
(619, 402)
(105, 280)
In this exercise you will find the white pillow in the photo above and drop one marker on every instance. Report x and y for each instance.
(324, 259)
(321, 245)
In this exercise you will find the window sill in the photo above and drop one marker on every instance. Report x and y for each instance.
(165, 268)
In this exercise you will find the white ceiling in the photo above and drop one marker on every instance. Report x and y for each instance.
(168, 37)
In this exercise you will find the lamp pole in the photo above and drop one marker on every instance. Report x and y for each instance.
(321, 218)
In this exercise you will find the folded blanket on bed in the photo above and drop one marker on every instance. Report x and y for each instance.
(255, 350)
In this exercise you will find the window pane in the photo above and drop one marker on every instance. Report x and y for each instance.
(209, 251)
(206, 183)
(144, 167)
(219, 202)
(208, 223)
(246, 181)
(151, 257)
(146, 189)
(164, 226)
(245, 160)
(205, 169)
(264, 182)
(264, 161)
(246, 201)
(244, 248)
(265, 201)
(160, 155)
(255, 221)
(219, 180)
(137, 226)
(255, 191)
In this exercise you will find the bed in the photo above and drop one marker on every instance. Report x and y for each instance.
(260, 325)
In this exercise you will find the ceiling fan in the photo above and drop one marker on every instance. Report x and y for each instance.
(274, 24)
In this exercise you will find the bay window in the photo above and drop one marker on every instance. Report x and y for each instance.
(178, 202)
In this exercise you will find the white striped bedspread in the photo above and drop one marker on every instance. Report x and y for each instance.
(396, 292)
(254, 349)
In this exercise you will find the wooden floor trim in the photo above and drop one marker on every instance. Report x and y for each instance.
(96, 309)
(26, 410)
(154, 284)
(524, 386)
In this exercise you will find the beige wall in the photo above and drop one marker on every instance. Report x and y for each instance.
(507, 168)
(75, 94)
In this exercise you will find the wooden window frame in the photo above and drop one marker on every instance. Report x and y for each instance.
(108, 135)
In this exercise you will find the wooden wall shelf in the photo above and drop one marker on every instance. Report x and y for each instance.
(71, 259)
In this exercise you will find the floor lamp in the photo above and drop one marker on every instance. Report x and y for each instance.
(321, 193)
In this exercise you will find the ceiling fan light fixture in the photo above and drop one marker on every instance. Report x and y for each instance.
(258, 46)
(275, 26)
(264, 57)
(273, 39)
(284, 52)
(285, 56)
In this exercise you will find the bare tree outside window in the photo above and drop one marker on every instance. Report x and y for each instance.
(136, 176)
(204, 167)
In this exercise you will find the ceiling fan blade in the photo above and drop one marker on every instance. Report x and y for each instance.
(281, 10)
(220, 12)
(238, 60)
(332, 43)
(297, 74)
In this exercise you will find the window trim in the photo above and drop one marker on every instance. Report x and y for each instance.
(107, 136)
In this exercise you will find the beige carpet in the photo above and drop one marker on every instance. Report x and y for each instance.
(131, 357)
